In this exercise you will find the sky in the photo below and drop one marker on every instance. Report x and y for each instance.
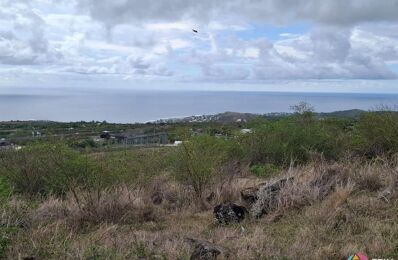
(271, 45)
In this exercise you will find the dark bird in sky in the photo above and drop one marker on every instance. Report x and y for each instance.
(195, 31)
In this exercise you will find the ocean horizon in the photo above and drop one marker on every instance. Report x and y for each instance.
(130, 106)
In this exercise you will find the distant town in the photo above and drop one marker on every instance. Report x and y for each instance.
(15, 134)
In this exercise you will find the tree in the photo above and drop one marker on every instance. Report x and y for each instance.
(304, 111)
(198, 160)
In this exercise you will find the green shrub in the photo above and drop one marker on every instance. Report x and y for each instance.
(198, 160)
(44, 168)
(86, 143)
(292, 139)
(376, 133)
(5, 189)
(4, 242)
(135, 166)
(265, 170)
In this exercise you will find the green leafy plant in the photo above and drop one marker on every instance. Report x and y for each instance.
(5, 189)
(264, 170)
(4, 242)
(47, 168)
(376, 133)
(198, 159)
(294, 138)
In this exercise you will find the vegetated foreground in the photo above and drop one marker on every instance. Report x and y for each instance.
(312, 189)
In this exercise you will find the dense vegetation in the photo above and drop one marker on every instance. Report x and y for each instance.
(56, 195)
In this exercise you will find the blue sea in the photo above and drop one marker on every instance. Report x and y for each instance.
(128, 106)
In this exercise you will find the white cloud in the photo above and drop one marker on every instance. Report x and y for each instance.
(337, 12)
(355, 39)
(324, 53)
(289, 35)
(22, 40)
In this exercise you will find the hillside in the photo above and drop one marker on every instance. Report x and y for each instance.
(296, 187)
(350, 114)
(232, 117)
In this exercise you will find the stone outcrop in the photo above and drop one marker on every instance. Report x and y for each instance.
(262, 198)
(249, 195)
(204, 250)
(229, 213)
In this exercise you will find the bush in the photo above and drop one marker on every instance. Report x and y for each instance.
(44, 168)
(292, 139)
(198, 160)
(376, 133)
(5, 189)
(135, 166)
(264, 170)
(83, 144)
(5, 241)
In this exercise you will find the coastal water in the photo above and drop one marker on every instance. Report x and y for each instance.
(140, 106)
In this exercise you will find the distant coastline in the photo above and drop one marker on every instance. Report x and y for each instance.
(127, 106)
(225, 117)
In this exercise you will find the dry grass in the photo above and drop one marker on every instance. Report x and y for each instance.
(304, 186)
(328, 211)
(118, 205)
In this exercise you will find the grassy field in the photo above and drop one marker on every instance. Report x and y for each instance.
(59, 202)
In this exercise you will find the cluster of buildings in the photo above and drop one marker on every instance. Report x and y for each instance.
(137, 139)
(7, 145)
(151, 139)
(189, 119)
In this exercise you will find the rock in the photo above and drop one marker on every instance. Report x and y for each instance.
(157, 198)
(229, 213)
(265, 197)
(204, 250)
(249, 195)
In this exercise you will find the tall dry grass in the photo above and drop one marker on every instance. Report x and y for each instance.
(328, 211)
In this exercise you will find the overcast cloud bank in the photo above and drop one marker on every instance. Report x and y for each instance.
(239, 41)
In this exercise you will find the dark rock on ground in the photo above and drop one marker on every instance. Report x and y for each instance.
(229, 213)
(204, 250)
(157, 198)
(249, 195)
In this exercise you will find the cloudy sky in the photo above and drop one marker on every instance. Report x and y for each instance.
(287, 45)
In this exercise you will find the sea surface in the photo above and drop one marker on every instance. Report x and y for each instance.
(128, 106)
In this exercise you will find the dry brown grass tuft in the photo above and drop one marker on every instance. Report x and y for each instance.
(171, 195)
(301, 186)
(117, 205)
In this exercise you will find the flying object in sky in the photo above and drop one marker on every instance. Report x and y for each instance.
(195, 31)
